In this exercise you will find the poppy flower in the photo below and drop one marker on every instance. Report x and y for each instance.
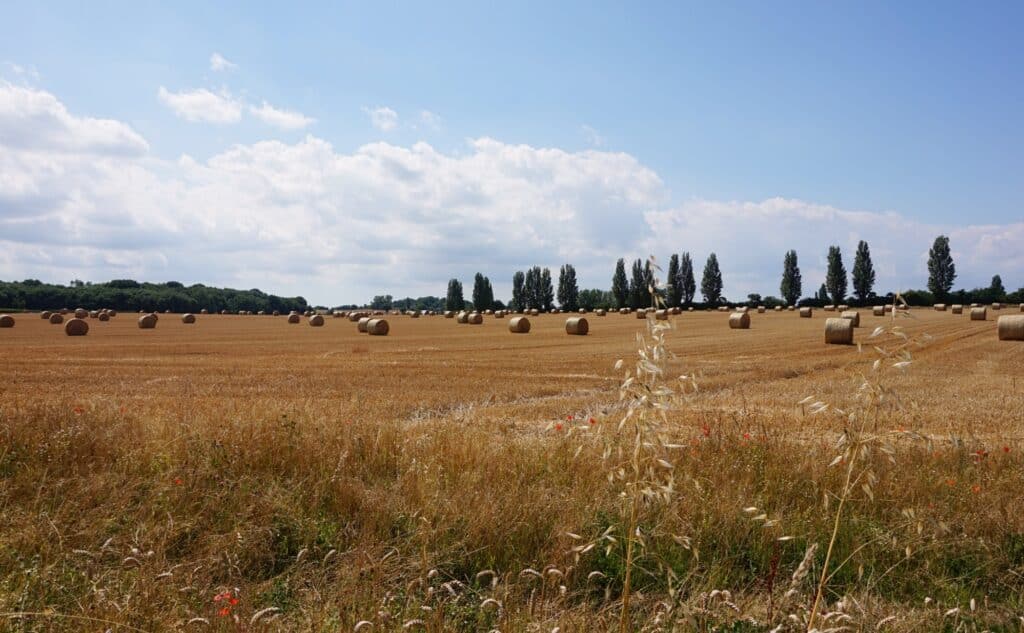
(177, 482)
(78, 410)
(593, 421)
(224, 612)
(746, 436)
(558, 427)
(975, 489)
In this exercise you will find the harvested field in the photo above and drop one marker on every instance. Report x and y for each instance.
(242, 452)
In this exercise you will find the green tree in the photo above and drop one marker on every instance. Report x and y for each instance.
(673, 285)
(792, 285)
(997, 289)
(620, 284)
(547, 291)
(835, 278)
(592, 298)
(568, 291)
(518, 279)
(638, 295)
(454, 300)
(687, 283)
(941, 270)
(822, 294)
(481, 301)
(711, 283)
(531, 288)
(863, 272)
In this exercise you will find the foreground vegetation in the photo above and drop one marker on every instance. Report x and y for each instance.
(211, 513)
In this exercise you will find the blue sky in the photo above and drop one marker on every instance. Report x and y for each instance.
(744, 129)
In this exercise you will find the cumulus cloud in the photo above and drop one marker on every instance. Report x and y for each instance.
(202, 105)
(340, 226)
(383, 118)
(218, 63)
(283, 119)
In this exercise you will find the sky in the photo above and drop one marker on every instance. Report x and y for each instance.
(338, 150)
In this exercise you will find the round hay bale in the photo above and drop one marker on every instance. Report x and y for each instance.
(317, 320)
(743, 309)
(93, 314)
(337, 314)
(577, 326)
(838, 331)
(204, 311)
(1022, 307)
(690, 309)
(806, 312)
(641, 314)
(534, 312)
(997, 306)
(147, 321)
(45, 315)
(979, 314)
(81, 313)
(156, 317)
(778, 308)
(294, 318)
(829, 308)
(448, 314)
(76, 327)
(975, 305)
(1011, 327)
(761, 309)
(600, 312)
(475, 318)
(377, 327)
(361, 325)
(878, 311)
(56, 318)
(940, 307)
(852, 315)
(661, 315)
(739, 321)
(462, 317)
(843, 308)
(888, 308)
(414, 314)
(519, 325)
(188, 318)
(6, 320)
(791, 308)
(623, 310)
(104, 316)
(956, 308)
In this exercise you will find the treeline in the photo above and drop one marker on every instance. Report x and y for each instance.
(130, 295)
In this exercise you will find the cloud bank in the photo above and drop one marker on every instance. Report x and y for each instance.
(84, 198)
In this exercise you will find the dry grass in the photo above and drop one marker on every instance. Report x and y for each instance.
(337, 478)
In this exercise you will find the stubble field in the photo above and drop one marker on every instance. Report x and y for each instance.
(244, 473)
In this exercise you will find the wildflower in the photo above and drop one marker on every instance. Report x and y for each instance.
(569, 418)
(746, 436)
(707, 430)
(177, 482)
(224, 612)
(1006, 449)
(78, 410)
(558, 427)
(951, 482)
(593, 421)
(975, 489)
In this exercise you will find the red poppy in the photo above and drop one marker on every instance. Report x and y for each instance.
(746, 436)
(233, 601)
(558, 427)
(224, 612)
(951, 482)
(975, 489)
(569, 418)
(707, 430)
(1006, 449)
(593, 421)
(177, 482)
(78, 410)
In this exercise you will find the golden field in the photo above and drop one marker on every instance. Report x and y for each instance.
(321, 477)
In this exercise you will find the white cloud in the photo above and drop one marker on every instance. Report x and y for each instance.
(592, 136)
(383, 118)
(218, 63)
(339, 226)
(202, 105)
(430, 120)
(28, 72)
(284, 119)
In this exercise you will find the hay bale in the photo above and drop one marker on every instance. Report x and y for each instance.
(641, 314)
(940, 307)
(104, 316)
(294, 318)
(878, 311)
(1011, 327)
(519, 325)
(6, 320)
(56, 318)
(76, 327)
(93, 314)
(462, 317)
(534, 312)
(806, 312)
(997, 306)
(600, 312)
(888, 308)
(147, 321)
(448, 314)
(778, 308)
(761, 309)
(852, 315)
(661, 315)
(975, 305)
(743, 309)
(188, 318)
(577, 326)
(337, 314)
(690, 309)
(623, 310)
(739, 321)
(475, 318)
(1022, 307)
(838, 331)
(81, 313)
(377, 327)
(829, 308)
(957, 308)
(156, 317)
(204, 311)
(979, 314)
(45, 315)
(361, 325)
(791, 308)
(843, 308)
(317, 320)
